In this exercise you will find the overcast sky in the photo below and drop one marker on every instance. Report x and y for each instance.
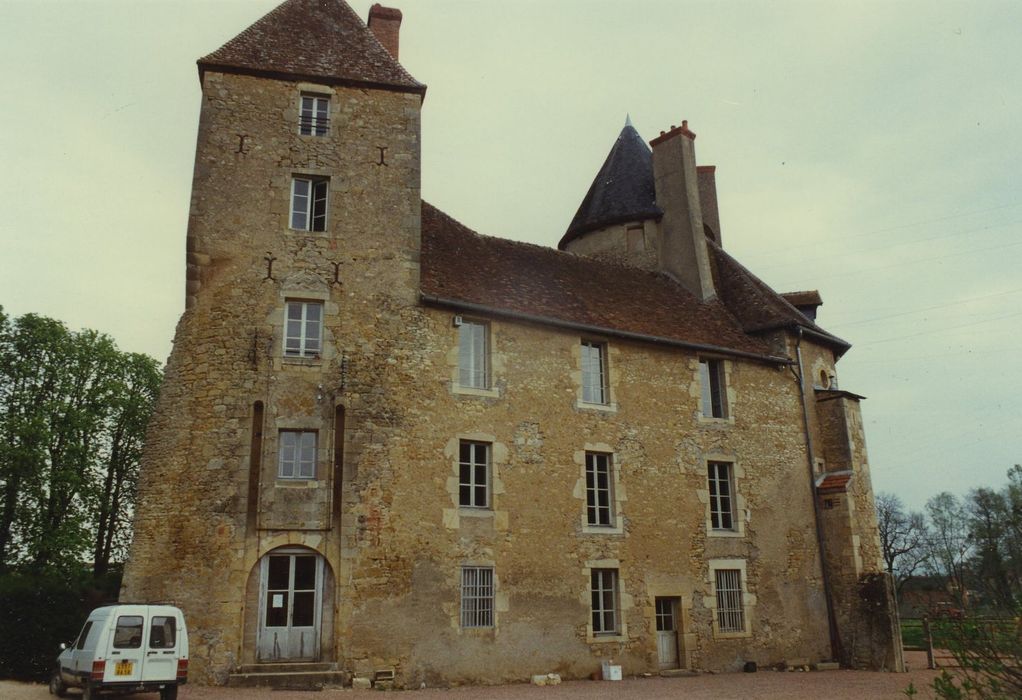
(869, 150)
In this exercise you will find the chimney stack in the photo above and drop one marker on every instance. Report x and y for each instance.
(708, 201)
(385, 24)
(683, 253)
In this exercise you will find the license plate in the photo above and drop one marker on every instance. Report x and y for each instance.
(123, 668)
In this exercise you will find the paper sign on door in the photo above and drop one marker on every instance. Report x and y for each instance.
(278, 600)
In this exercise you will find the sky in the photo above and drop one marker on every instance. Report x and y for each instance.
(870, 150)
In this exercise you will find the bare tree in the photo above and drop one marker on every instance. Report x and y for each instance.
(950, 543)
(903, 538)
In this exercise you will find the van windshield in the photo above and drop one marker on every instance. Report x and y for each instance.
(128, 634)
(163, 632)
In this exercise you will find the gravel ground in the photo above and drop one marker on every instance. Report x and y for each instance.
(768, 685)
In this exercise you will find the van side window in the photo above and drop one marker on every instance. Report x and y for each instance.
(128, 634)
(80, 644)
(163, 632)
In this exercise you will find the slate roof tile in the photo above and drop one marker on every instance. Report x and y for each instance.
(313, 39)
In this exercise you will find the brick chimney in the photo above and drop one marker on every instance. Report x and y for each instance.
(683, 253)
(707, 176)
(385, 24)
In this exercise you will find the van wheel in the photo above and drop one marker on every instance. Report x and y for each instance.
(87, 692)
(168, 692)
(57, 686)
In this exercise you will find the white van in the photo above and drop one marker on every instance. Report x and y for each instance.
(126, 648)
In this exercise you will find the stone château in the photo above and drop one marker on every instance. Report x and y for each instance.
(400, 450)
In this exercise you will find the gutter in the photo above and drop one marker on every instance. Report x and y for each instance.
(601, 330)
(835, 640)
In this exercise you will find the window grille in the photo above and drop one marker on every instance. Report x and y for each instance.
(476, 596)
(594, 375)
(474, 474)
(721, 496)
(598, 489)
(604, 601)
(730, 611)
(313, 119)
(473, 355)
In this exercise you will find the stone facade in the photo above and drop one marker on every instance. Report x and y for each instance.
(382, 513)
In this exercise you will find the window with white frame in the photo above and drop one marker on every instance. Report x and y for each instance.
(297, 454)
(474, 474)
(594, 372)
(603, 586)
(314, 119)
(303, 329)
(722, 499)
(599, 489)
(473, 355)
(309, 203)
(730, 608)
(714, 393)
(476, 596)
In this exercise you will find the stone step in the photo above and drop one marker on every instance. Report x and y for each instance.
(677, 673)
(288, 667)
(290, 680)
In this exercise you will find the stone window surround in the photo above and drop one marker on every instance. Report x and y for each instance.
(624, 601)
(314, 90)
(618, 491)
(610, 352)
(496, 366)
(498, 459)
(286, 183)
(696, 392)
(482, 558)
(272, 446)
(278, 320)
(748, 599)
(741, 510)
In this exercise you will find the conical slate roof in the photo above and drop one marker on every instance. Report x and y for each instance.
(622, 191)
(322, 40)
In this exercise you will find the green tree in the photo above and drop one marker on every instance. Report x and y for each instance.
(73, 410)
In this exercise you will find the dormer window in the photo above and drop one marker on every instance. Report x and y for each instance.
(314, 118)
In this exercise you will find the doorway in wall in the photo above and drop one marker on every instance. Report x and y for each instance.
(667, 632)
(290, 605)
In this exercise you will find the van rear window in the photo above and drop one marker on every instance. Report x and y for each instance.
(163, 633)
(128, 634)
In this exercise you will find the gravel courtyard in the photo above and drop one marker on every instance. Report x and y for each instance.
(769, 685)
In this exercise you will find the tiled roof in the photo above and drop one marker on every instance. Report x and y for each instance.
(809, 297)
(836, 482)
(463, 268)
(622, 191)
(312, 39)
(759, 308)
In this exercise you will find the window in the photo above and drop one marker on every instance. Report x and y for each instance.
(594, 372)
(711, 378)
(80, 644)
(474, 474)
(598, 489)
(163, 632)
(722, 501)
(308, 203)
(730, 611)
(604, 597)
(303, 329)
(128, 634)
(314, 119)
(297, 454)
(473, 355)
(476, 596)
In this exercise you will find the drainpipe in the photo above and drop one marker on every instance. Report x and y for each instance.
(835, 641)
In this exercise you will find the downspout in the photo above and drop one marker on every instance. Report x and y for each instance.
(835, 640)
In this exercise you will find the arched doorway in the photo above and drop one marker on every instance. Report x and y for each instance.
(291, 595)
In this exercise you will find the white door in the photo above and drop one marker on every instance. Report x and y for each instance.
(667, 632)
(290, 606)
(124, 664)
(161, 648)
